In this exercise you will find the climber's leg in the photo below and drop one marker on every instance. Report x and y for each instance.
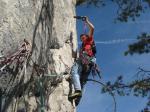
(75, 73)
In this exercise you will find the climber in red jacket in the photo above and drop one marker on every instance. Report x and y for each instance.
(86, 57)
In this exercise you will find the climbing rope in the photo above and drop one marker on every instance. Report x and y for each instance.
(18, 56)
(84, 27)
(40, 86)
(42, 99)
(19, 60)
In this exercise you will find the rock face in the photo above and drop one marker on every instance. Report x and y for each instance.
(38, 83)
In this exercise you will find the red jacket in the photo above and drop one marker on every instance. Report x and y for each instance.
(87, 46)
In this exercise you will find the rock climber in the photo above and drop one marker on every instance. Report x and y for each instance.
(86, 57)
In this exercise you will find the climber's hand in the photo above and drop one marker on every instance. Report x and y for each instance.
(84, 18)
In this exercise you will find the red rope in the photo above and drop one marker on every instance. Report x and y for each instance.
(84, 27)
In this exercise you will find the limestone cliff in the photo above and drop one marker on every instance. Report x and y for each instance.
(38, 82)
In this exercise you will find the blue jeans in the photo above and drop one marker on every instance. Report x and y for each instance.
(76, 72)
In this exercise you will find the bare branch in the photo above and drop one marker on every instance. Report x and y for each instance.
(110, 91)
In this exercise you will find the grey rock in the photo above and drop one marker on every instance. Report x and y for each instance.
(47, 25)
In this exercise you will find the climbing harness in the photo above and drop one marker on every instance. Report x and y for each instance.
(85, 59)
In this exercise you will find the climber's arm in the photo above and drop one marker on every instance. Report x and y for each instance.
(91, 27)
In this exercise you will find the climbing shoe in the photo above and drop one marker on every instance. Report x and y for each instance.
(77, 94)
(77, 101)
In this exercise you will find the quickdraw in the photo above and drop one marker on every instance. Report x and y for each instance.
(85, 59)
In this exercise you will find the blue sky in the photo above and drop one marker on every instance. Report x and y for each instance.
(111, 59)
